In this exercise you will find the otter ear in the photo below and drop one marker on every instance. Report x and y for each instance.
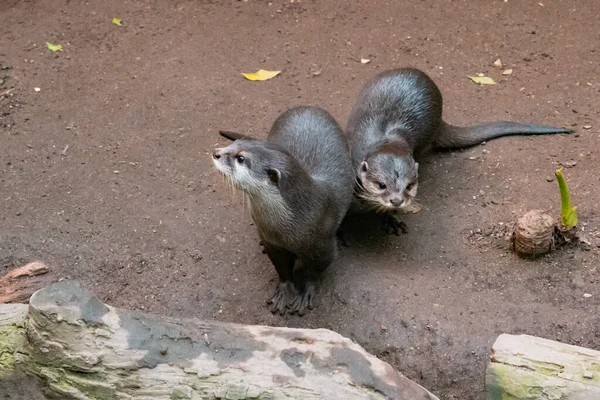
(364, 167)
(274, 176)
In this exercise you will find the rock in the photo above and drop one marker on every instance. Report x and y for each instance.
(82, 348)
(528, 367)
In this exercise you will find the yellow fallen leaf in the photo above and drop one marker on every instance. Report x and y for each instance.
(54, 47)
(482, 80)
(116, 21)
(261, 75)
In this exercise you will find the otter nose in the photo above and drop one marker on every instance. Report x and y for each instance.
(216, 154)
(396, 201)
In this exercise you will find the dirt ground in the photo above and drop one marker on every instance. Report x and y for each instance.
(105, 172)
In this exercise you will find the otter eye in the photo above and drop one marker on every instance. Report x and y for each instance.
(381, 185)
(410, 186)
(240, 159)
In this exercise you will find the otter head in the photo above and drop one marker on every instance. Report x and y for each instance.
(250, 165)
(388, 181)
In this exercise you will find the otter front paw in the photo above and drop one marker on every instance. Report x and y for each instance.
(304, 300)
(394, 225)
(342, 240)
(284, 296)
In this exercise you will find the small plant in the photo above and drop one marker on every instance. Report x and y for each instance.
(537, 233)
(568, 213)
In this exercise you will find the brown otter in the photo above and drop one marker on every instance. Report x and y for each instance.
(397, 116)
(299, 182)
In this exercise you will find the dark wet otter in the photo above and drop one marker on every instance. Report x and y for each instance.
(397, 115)
(299, 182)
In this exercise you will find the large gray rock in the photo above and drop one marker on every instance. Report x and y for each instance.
(80, 348)
(531, 368)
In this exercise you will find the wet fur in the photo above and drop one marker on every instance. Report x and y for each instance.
(396, 117)
(298, 215)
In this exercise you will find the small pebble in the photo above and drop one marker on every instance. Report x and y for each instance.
(549, 179)
(587, 374)
(587, 127)
(587, 295)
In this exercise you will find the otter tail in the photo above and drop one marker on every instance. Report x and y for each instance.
(233, 135)
(455, 137)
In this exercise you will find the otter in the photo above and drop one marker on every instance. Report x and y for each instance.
(396, 117)
(299, 182)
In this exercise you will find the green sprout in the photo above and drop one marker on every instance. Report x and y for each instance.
(568, 214)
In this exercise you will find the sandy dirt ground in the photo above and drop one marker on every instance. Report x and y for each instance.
(105, 173)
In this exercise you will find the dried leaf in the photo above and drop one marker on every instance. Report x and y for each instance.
(261, 75)
(364, 61)
(498, 63)
(116, 21)
(482, 80)
(54, 47)
(31, 269)
(413, 208)
(507, 71)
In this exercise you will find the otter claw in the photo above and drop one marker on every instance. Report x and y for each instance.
(394, 225)
(341, 239)
(303, 301)
(283, 297)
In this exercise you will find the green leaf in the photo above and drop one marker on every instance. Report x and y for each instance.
(116, 21)
(568, 214)
(482, 80)
(54, 47)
